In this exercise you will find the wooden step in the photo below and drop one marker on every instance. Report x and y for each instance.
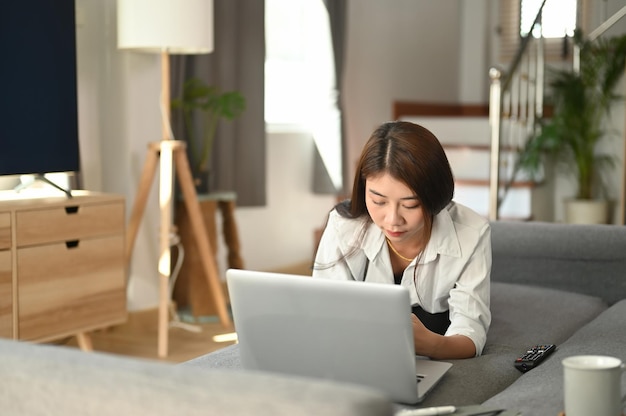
(517, 205)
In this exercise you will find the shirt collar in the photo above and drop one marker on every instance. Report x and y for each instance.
(443, 239)
(374, 241)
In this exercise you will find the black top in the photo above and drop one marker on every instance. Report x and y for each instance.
(435, 322)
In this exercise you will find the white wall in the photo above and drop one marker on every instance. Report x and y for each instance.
(281, 234)
(476, 27)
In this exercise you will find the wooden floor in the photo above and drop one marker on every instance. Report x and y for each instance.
(138, 338)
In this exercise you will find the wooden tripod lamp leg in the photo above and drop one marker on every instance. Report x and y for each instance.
(168, 148)
(141, 199)
(143, 190)
(197, 224)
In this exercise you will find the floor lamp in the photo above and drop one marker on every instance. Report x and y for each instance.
(169, 27)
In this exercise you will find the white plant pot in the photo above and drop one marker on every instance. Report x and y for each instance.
(584, 211)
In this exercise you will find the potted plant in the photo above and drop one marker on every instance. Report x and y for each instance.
(209, 105)
(581, 102)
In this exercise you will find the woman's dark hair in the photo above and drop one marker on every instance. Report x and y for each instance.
(411, 154)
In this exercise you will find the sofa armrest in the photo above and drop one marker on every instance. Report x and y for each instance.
(45, 379)
(540, 391)
(589, 259)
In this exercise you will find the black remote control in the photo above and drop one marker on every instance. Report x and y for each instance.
(533, 357)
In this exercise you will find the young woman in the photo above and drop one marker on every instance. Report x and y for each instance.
(401, 226)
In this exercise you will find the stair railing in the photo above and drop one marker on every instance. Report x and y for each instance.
(599, 31)
(515, 102)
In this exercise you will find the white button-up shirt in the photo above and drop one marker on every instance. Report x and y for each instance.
(453, 273)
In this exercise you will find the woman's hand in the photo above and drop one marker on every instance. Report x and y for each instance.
(433, 345)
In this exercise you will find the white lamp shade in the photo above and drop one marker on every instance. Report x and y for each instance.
(175, 26)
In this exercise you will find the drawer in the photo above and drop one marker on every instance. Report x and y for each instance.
(5, 230)
(6, 295)
(63, 290)
(72, 222)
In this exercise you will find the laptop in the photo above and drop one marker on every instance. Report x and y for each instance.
(346, 331)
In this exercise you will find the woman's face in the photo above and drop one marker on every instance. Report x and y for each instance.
(394, 208)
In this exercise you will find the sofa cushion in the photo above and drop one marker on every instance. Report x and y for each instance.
(54, 380)
(527, 315)
(605, 335)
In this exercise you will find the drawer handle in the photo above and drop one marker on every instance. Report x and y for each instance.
(71, 209)
(72, 243)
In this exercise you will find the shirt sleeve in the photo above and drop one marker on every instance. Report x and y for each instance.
(469, 300)
(330, 258)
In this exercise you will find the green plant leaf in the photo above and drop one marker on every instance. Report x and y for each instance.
(582, 102)
(209, 104)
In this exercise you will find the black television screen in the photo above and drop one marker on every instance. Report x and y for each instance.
(38, 98)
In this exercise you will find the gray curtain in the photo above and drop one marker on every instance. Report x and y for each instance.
(236, 63)
(337, 18)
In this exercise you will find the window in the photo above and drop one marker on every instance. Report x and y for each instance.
(300, 88)
(559, 19)
(299, 59)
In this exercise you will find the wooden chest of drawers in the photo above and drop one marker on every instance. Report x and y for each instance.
(62, 269)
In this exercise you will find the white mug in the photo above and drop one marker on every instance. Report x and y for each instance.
(592, 385)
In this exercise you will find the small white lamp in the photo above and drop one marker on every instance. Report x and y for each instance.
(169, 27)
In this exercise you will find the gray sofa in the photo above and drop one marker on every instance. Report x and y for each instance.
(47, 380)
(552, 283)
